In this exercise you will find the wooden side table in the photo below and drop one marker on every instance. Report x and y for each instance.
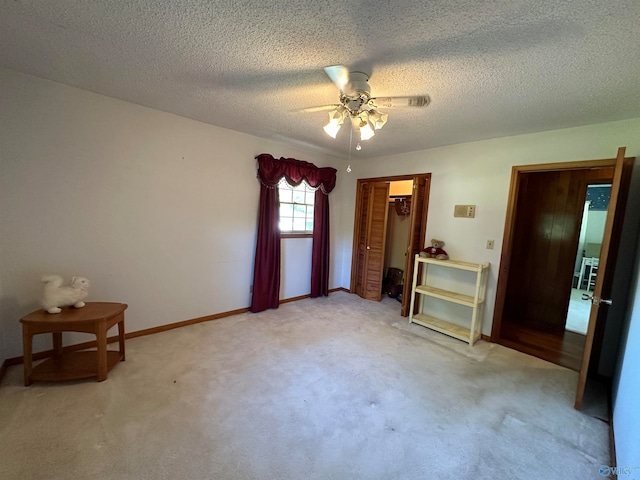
(96, 318)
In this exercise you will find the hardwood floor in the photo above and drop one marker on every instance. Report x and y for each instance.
(565, 350)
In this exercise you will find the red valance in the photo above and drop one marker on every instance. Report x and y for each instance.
(271, 171)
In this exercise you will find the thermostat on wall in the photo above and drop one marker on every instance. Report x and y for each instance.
(465, 211)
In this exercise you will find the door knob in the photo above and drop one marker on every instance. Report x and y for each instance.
(596, 300)
(368, 247)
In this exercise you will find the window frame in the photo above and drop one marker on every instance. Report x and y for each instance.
(308, 191)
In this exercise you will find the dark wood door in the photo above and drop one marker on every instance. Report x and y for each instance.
(370, 238)
(547, 227)
(419, 210)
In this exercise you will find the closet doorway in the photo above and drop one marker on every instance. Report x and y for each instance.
(371, 232)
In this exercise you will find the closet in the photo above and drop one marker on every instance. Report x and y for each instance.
(398, 223)
(372, 214)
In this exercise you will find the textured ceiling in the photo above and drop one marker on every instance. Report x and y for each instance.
(491, 68)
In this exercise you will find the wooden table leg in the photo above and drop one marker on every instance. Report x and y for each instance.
(57, 343)
(27, 338)
(101, 340)
(121, 337)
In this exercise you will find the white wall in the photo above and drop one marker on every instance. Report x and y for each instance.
(157, 210)
(595, 226)
(626, 383)
(295, 270)
(479, 173)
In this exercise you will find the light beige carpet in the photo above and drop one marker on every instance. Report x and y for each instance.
(333, 388)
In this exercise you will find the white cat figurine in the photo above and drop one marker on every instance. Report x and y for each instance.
(57, 295)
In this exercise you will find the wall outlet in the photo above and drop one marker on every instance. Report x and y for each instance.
(489, 244)
(464, 211)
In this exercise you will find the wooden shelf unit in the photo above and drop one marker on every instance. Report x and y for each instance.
(475, 302)
(72, 366)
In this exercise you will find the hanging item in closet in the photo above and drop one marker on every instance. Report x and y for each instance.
(402, 206)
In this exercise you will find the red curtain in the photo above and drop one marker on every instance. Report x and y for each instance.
(266, 270)
(320, 249)
(266, 275)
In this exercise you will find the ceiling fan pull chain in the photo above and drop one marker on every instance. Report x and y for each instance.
(350, 140)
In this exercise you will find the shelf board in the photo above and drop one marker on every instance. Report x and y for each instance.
(72, 365)
(450, 329)
(471, 267)
(447, 295)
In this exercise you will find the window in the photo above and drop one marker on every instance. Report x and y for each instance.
(296, 208)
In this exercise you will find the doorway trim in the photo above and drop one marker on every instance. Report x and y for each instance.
(509, 228)
(420, 225)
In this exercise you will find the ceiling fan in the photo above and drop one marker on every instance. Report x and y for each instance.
(357, 104)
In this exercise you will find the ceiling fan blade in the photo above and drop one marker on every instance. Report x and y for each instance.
(395, 102)
(339, 74)
(320, 108)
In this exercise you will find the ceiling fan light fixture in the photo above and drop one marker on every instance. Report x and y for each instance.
(357, 104)
(366, 132)
(379, 119)
(336, 119)
(332, 128)
(338, 114)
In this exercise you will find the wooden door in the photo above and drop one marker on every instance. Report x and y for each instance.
(419, 209)
(376, 239)
(360, 240)
(514, 323)
(600, 298)
(371, 232)
(547, 227)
